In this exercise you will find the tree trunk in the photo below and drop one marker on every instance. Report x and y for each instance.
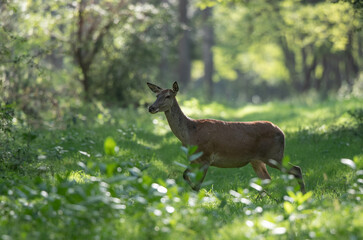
(164, 53)
(290, 62)
(164, 64)
(351, 67)
(307, 69)
(208, 42)
(184, 66)
(79, 51)
(331, 73)
(360, 46)
(336, 73)
(88, 42)
(85, 83)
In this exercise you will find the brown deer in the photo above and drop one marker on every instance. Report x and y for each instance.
(224, 144)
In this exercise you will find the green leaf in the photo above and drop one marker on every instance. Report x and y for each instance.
(223, 203)
(134, 171)
(195, 156)
(147, 180)
(102, 168)
(286, 161)
(306, 196)
(110, 168)
(348, 162)
(206, 183)
(291, 194)
(185, 150)
(109, 146)
(192, 150)
(82, 165)
(180, 164)
(256, 186)
(289, 208)
(30, 136)
(56, 204)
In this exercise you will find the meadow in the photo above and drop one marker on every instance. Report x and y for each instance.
(116, 173)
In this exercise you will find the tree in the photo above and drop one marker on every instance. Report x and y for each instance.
(316, 43)
(91, 28)
(184, 64)
(207, 44)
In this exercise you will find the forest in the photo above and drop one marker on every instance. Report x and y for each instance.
(81, 157)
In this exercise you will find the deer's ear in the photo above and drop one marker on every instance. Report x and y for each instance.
(175, 87)
(154, 88)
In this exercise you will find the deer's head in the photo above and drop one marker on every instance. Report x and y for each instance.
(164, 98)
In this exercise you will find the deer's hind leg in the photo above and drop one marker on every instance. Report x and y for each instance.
(294, 170)
(260, 169)
(297, 173)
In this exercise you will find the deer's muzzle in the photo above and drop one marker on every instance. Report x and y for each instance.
(153, 109)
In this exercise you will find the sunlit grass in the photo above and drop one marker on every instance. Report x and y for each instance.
(78, 176)
(314, 139)
(318, 135)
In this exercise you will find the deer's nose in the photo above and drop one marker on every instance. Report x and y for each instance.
(152, 109)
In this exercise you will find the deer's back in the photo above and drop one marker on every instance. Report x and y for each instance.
(234, 144)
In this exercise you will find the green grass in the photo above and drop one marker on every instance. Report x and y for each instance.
(64, 186)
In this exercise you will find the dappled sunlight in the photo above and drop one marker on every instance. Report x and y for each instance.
(134, 169)
(160, 167)
(161, 126)
(195, 109)
(291, 117)
(191, 107)
(81, 157)
(253, 109)
(307, 118)
(78, 176)
(344, 119)
(323, 118)
(149, 145)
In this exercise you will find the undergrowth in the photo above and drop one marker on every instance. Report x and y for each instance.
(117, 173)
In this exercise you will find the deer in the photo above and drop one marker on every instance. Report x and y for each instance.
(224, 144)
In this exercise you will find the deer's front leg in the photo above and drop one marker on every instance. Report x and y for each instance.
(186, 175)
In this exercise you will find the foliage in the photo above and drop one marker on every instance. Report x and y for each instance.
(357, 114)
(56, 50)
(6, 117)
(49, 52)
(286, 43)
(71, 187)
(76, 170)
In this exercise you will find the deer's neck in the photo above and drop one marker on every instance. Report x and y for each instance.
(179, 123)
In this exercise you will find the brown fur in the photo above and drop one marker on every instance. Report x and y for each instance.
(225, 144)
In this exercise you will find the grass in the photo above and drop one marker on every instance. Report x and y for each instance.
(64, 186)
